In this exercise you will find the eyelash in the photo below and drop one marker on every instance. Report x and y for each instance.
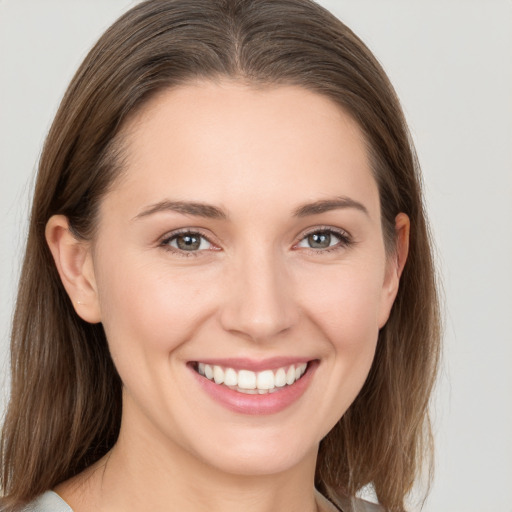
(165, 243)
(345, 240)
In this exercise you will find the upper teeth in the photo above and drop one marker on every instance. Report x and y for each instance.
(255, 382)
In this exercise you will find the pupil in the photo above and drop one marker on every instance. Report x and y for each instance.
(188, 242)
(319, 240)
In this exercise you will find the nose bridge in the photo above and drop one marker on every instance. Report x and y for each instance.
(259, 301)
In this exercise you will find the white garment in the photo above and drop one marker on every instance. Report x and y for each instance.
(48, 502)
(52, 502)
(358, 505)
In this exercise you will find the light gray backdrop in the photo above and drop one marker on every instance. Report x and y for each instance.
(451, 63)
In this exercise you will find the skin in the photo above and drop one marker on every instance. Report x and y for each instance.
(254, 289)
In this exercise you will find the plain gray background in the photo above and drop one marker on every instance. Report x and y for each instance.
(451, 63)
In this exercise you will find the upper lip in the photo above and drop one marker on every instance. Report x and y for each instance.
(255, 365)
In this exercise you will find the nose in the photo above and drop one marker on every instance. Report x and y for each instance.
(260, 303)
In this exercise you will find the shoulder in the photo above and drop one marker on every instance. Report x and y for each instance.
(358, 505)
(346, 504)
(47, 502)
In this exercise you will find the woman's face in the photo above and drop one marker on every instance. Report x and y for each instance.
(242, 245)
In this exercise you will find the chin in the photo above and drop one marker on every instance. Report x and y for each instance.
(267, 448)
(259, 462)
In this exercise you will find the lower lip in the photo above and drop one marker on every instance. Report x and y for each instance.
(269, 403)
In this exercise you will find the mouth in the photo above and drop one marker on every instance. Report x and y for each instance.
(250, 382)
(255, 387)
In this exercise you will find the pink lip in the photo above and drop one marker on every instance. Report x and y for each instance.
(254, 364)
(269, 403)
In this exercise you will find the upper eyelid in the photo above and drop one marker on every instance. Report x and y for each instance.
(183, 231)
(320, 229)
(343, 233)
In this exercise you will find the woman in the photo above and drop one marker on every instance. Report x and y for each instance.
(228, 298)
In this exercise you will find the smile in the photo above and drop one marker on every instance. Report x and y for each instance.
(256, 387)
(251, 382)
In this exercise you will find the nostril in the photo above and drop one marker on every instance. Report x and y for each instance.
(259, 300)
(257, 323)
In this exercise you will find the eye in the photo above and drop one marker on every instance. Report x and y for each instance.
(324, 239)
(187, 241)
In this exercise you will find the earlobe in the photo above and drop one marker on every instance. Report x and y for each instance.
(75, 267)
(395, 266)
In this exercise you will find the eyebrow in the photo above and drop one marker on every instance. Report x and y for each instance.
(213, 212)
(326, 205)
(184, 207)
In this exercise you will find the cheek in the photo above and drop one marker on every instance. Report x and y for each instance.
(148, 311)
(345, 303)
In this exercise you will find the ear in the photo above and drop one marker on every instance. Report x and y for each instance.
(74, 264)
(395, 266)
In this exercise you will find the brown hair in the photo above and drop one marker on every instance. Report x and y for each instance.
(65, 406)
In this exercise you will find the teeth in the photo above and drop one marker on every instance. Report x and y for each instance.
(290, 375)
(248, 391)
(280, 378)
(230, 377)
(218, 375)
(299, 371)
(265, 380)
(246, 381)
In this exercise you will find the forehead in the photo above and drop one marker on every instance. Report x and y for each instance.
(210, 141)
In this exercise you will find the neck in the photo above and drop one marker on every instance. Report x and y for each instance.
(143, 472)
